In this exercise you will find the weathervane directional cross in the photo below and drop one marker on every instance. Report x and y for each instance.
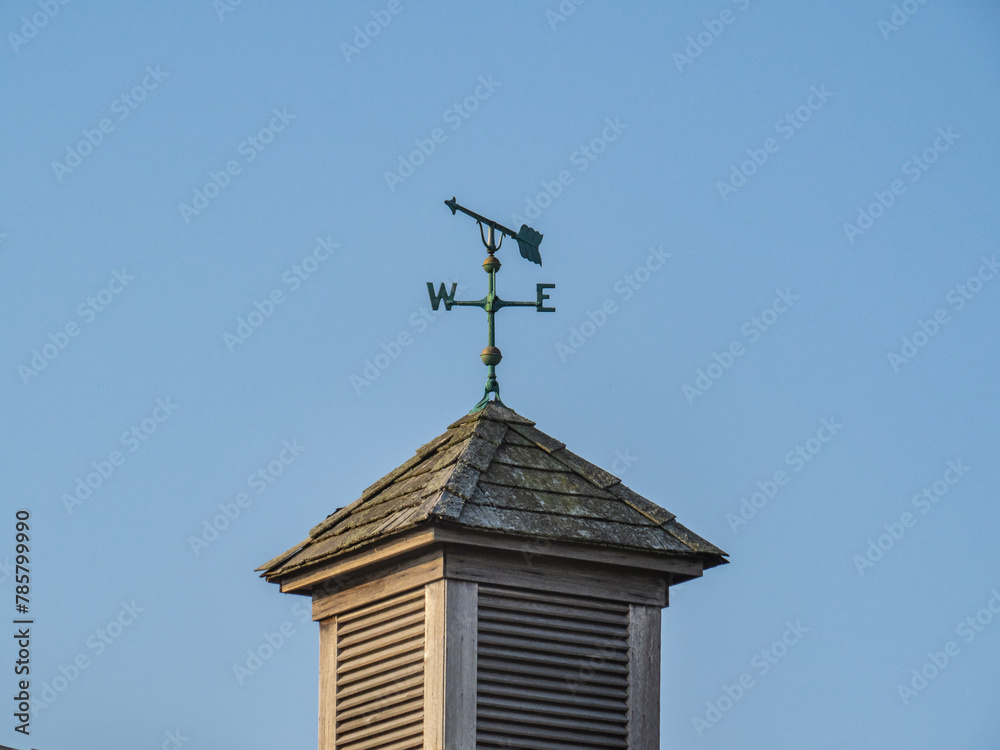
(528, 241)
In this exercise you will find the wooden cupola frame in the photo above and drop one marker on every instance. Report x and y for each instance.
(495, 591)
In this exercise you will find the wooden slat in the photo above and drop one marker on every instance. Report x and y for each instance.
(557, 642)
(495, 677)
(573, 622)
(544, 658)
(352, 681)
(379, 674)
(376, 739)
(390, 716)
(579, 739)
(552, 670)
(527, 609)
(349, 708)
(394, 644)
(548, 712)
(487, 740)
(505, 593)
(373, 614)
(373, 636)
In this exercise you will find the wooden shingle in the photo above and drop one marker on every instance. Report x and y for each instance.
(494, 470)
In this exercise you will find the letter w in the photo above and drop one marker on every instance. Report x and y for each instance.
(448, 297)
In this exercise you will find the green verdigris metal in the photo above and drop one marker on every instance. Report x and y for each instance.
(528, 241)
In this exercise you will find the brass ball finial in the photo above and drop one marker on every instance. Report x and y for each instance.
(491, 356)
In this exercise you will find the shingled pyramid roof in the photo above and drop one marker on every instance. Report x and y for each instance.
(493, 471)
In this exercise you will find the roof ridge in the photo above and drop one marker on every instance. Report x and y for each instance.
(470, 464)
(493, 411)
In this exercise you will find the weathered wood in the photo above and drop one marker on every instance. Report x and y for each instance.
(327, 684)
(644, 678)
(461, 642)
(545, 525)
(531, 550)
(496, 454)
(641, 504)
(539, 438)
(462, 481)
(509, 569)
(402, 576)
(379, 673)
(450, 666)
(493, 412)
(491, 431)
(333, 574)
(584, 506)
(565, 482)
(478, 453)
(595, 474)
(517, 695)
(532, 457)
(434, 665)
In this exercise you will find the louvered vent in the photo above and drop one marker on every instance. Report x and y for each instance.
(553, 671)
(380, 675)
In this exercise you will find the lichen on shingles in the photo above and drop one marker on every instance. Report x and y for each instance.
(495, 471)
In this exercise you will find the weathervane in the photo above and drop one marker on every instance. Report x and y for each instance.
(528, 241)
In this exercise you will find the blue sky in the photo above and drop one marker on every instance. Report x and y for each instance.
(772, 230)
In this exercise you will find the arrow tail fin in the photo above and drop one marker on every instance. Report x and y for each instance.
(528, 241)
